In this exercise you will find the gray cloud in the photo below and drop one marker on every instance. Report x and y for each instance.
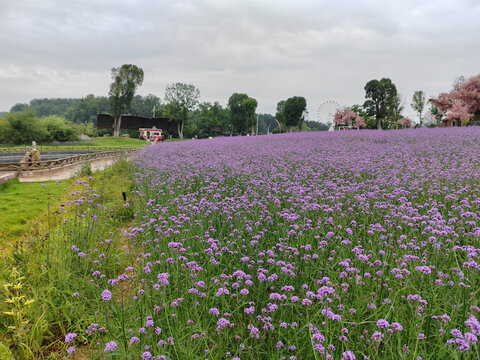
(270, 49)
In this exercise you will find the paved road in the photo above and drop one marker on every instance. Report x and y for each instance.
(16, 157)
(6, 175)
(95, 165)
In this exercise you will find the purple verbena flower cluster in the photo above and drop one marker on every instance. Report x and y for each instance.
(339, 245)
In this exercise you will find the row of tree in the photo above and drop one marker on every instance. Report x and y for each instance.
(182, 99)
(383, 105)
(382, 108)
(85, 110)
(181, 105)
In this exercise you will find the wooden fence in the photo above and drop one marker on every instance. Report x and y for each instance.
(58, 163)
(45, 149)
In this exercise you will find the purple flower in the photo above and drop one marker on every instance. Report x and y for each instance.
(425, 269)
(69, 337)
(250, 310)
(473, 324)
(396, 326)
(71, 350)
(377, 336)
(163, 279)
(382, 323)
(214, 311)
(254, 332)
(106, 295)
(348, 355)
(111, 346)
(307, 302)
(222, 323)
(222, 291)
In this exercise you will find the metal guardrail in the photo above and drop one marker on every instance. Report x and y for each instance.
(51, 164)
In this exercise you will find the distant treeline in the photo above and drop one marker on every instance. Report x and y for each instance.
(80, 115)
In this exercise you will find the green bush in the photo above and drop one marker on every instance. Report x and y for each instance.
(104, 132)
(87, 129)
(58, 128)
(4, 129)
(21, 128)
(24, 127)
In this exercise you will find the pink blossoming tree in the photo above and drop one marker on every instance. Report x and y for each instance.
(462, 103)
(406, 122)
(347, 116)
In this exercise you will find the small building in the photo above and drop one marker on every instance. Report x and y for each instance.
(475, 121)
(451, 123)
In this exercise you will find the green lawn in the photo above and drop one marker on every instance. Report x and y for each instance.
(21, 203)
(96, 144)
(114, 142)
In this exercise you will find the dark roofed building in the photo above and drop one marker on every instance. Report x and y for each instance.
(134, 122)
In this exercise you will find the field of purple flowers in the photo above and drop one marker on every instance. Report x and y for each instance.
(343, 245)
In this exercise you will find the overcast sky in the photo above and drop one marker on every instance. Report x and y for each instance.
(269, 49)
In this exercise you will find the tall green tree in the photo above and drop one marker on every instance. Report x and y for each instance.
(210, 120)
(418, 104)
(279, 115)
(18, 107)
(264, 121)
(238, 116)
(144, 105)
(293, 111)
(437, 114)
(46, 107)
(317, 126)
(126, 79)
(250, 105)
(181, 98)
(395, 112)
(380, 95)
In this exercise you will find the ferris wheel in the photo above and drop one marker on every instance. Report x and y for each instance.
(326, 111)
